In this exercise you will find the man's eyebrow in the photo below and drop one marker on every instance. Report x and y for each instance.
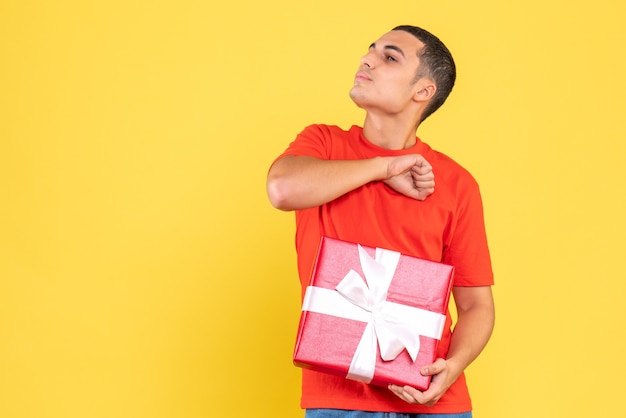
(392, 47)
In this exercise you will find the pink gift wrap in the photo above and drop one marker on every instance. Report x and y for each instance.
(372, 315)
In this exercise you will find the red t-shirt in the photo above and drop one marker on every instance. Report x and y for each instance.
(447, 227)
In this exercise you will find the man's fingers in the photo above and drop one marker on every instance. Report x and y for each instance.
(422, 166)
(434, 368)
(405, 393)
(423, 182)
(423, 177)
(412, 395)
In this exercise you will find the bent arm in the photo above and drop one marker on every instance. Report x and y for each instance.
(475, 323)
(476, 318)
(301, 182)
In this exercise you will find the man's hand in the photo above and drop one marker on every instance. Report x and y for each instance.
(410, 175)
(443, 377)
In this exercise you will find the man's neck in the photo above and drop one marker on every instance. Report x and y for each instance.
(389, 132)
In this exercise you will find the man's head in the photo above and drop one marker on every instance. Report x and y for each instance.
(406, 70)
(436, 64)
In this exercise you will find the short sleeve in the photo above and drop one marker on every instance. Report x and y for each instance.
(468, 250)
(313, 141)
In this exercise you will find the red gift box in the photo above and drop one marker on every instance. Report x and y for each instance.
(372, 315)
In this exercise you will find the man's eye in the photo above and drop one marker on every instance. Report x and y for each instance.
(390, 58)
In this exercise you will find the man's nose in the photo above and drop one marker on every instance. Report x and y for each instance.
(368, 61)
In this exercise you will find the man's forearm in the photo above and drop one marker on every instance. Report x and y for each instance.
(473, 328)
(302, 182)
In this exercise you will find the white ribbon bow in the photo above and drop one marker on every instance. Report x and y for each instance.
(390, 325)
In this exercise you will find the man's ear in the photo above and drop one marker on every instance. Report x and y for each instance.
(425, 90)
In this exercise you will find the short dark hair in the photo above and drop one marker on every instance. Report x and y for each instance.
(436, 63)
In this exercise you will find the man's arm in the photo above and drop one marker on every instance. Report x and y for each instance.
(301, 182)
(476, 316)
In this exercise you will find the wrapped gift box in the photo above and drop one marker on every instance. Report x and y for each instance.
(372, 315)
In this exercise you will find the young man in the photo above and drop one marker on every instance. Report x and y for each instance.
(375, 186)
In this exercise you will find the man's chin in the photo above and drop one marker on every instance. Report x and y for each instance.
(357, 97)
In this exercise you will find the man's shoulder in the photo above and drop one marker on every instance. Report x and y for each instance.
(445, 165)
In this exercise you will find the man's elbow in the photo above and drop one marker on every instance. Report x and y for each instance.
(278, 193)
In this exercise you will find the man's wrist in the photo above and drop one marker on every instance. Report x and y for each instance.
(455, 367)
(380, 168)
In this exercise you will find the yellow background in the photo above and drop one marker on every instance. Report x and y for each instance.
(143, 272)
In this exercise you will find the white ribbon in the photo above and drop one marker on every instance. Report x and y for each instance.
(391, 325)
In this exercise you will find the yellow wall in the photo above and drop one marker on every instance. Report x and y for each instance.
(143, 272)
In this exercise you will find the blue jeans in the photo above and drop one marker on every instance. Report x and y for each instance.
(339, 413)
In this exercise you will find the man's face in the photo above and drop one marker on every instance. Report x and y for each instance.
(386, 77)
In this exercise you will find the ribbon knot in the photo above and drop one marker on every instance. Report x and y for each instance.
(384, 329)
